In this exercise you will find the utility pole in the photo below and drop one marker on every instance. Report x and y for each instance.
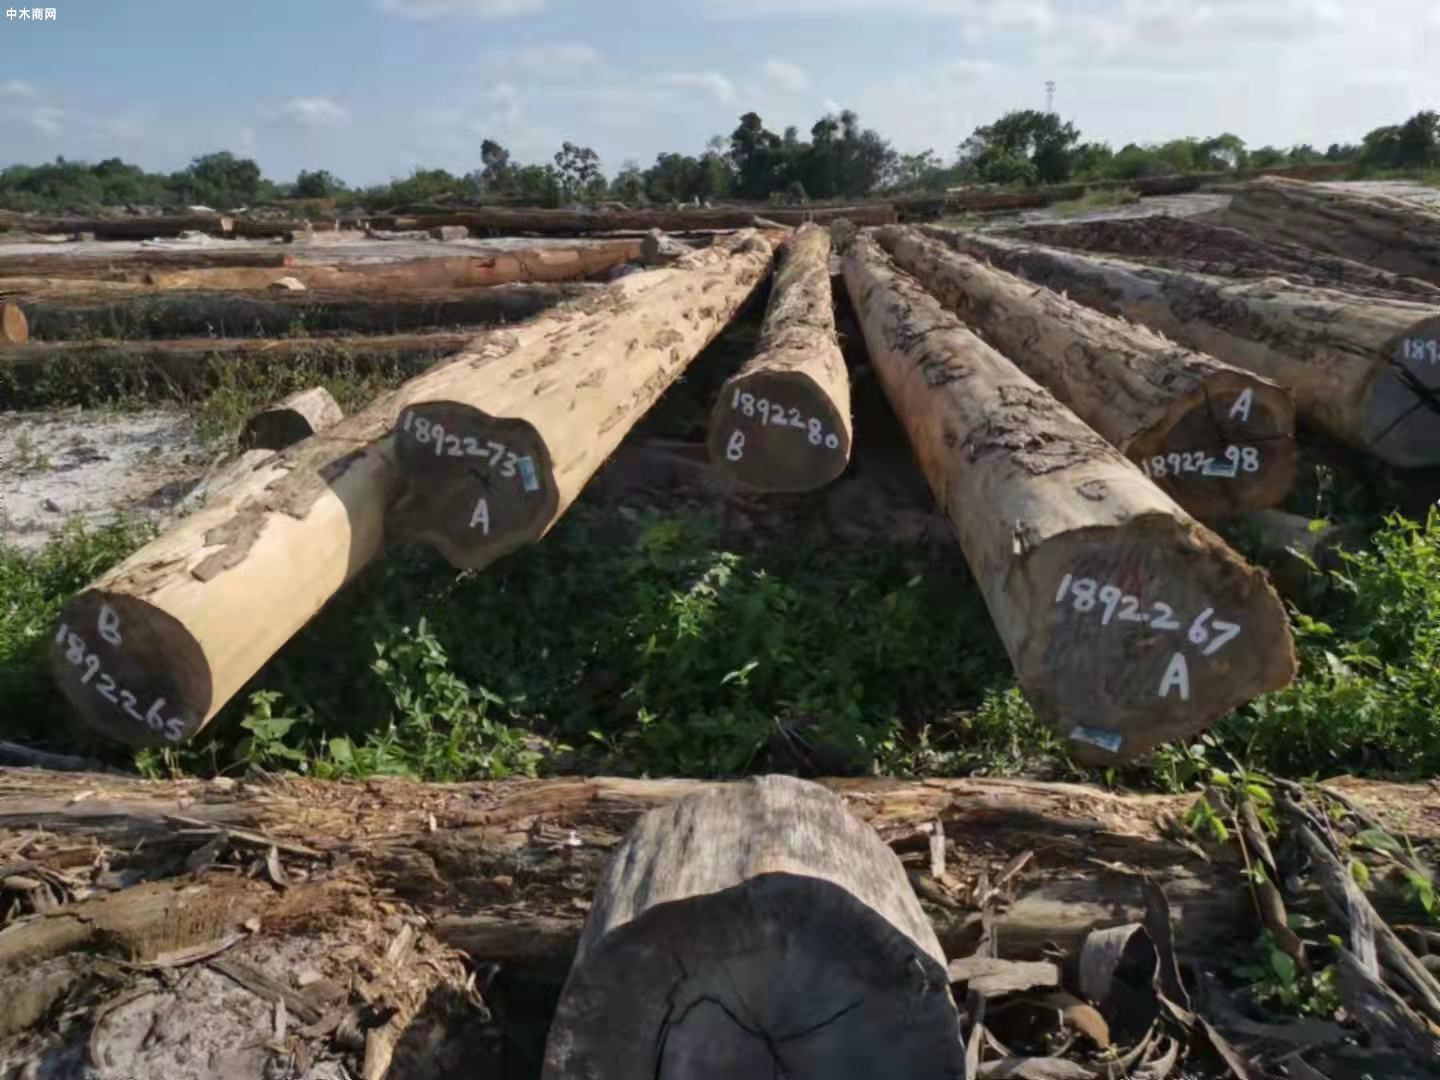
(1050, 95)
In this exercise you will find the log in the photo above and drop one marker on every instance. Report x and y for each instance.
(14, 326)
(525, 419)
(268, 314)
(1401, 236)
(120, 267)
(192, 363)
(782, 423)
(127, 228)
(1362, 369)
(1288, 544)
(287, 422)
(1199, 247)
(1119, 611)
(498, 221)
(816, 960)
(1217, 439)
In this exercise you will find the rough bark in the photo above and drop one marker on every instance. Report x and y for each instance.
(136, 263)
(1398, 235)
(193, 362)
(14, 326)
(287, 422)
(1201, 247)
(782, 423)
(1104, 591)
(127, 228)
(184, 314)
(816, 959)
(498, 221)
(978, 200)
(1362, 369)
(495, 446)
(1218, 439)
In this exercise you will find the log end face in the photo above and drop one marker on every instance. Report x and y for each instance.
(14, 327)
(778, 432)
(475, 486)
(1151, 635)
(131, 671)
(1402, 417)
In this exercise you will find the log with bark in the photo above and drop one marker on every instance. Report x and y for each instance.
(1399, 235)
(1119, 611)
(1364, 370)
(498, 221)
(291, 420)
(14, 326)
(193, 363)
(816, 959)
(495, 446)
(126, 228)
(782, 423)
(1201, 247)
(1218, 439)
(137, 263)
(66, 316)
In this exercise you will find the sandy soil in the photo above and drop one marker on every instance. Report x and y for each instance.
(94, 466)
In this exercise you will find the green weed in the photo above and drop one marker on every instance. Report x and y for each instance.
(1096, 199)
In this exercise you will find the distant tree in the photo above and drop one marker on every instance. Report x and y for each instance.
(1091, 161)
(1023, 146)
(319, 184)
(1419, 141)
(1343, 152)
(1305, 154)
(496, 172)
(1268, 157)
(629, 183)
(756, 155)
(1380, 148)
(673, 178)
(578, 168)
(538, 184)
(220, 180)
(918, 172)
(1220, 153)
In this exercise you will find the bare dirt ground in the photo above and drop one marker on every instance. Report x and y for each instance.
(94, 466)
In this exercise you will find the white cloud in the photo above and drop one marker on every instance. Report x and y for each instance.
(48, 120)
(17, 88)
(550, 56)
(484, 9)
(315, 112)
(711, 82)
(786, 75)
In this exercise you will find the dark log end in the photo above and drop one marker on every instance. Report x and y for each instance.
(1154, 632)
(1231, 451)
(1403, 416)
(780, 975)
(778, 431)
(476, 486)
(131, 671)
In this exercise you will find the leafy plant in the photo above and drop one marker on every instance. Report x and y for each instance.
(1277, 982)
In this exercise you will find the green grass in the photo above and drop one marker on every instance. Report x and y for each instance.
(1096, 199)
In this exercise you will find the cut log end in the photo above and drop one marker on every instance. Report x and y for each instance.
(1150, 637)
(14, 327)
(778, 431)
(286, 423)
(1403, 415)
(481, 486)
(1229, 452)
(131, 671)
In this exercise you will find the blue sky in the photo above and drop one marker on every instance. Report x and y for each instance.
(372, 88)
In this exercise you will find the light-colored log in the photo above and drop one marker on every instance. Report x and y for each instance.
(122, 228)
(287, 422)
(782, 423)
(1218, 439)
(499, 221)
(495, 446)
(14, 326)
(1365, 370)
(1383, 231)
(1201, 247)
(1128, 623)
(137, 263)
(816, 960)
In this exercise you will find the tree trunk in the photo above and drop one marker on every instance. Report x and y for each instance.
(1398, 235)
(121, 267)
(127, 228)
(1198, 247)
(1118, 610)
(816, 959)
(783, 422)
(14, 326)
(448, 272)
(287, 422)
(497, 221)
(192, 362)
(1217, 439)
(495, 446)
(1363, 370)
(182, 314)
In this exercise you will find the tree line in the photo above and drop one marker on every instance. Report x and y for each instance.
(840, 160)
